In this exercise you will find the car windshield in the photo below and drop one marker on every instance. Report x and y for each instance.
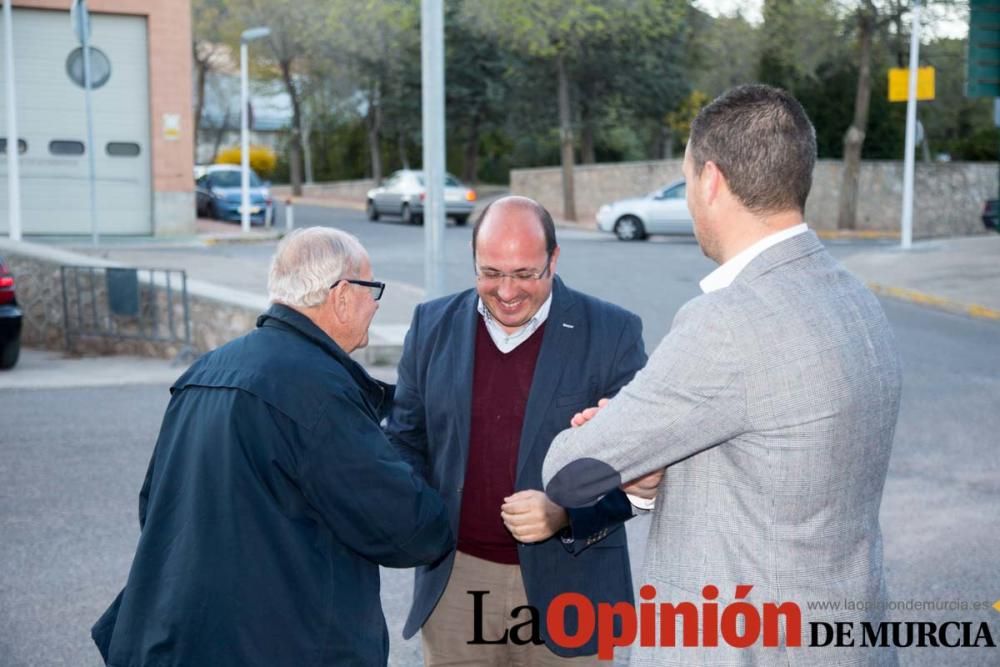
(231, 179)
(449, 181)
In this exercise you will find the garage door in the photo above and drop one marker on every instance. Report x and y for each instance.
(55, 195)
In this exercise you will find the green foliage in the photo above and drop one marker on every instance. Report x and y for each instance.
(638, 72)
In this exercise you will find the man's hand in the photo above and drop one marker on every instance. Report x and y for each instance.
(531, 517)
(581, 418)
(645, 486)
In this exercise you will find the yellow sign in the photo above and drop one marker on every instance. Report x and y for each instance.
(899, 82)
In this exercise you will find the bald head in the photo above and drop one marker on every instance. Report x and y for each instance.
(514, 210)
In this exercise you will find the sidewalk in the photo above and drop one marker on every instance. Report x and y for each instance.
(960, 275)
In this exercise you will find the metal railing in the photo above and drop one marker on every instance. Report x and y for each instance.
(127, 304)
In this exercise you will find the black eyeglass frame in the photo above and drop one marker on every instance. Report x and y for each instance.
(376, 288)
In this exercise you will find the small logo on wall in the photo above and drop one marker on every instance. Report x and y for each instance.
(171, 126)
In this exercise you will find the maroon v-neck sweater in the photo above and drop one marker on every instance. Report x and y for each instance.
(500, 387)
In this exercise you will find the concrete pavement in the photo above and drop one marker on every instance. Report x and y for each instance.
(961, 275)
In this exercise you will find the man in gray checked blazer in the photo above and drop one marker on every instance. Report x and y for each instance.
(769, 409)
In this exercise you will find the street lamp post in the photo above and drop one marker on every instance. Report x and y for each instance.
(246, 37)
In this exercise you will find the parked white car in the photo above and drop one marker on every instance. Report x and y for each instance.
(403, 194)
(663, 211)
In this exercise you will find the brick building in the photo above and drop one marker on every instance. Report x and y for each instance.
(142, 118)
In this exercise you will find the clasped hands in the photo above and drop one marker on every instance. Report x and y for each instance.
(531, 517)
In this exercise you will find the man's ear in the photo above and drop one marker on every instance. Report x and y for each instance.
(337, 302)
(712, 182)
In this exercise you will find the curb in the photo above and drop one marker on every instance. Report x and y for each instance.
(258, 237)
(973, 310)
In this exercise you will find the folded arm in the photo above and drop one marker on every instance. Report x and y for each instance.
(689, 397)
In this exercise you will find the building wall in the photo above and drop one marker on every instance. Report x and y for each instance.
(948, 196)
(170, 63)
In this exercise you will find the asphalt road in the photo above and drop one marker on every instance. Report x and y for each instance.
(72, 460)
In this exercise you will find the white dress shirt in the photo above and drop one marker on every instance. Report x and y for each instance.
(508, 342)
(726, 274)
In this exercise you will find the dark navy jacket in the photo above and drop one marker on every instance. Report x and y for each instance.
(590, 350)
(271, 499)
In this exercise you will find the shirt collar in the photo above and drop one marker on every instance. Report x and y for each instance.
(507, 342)
(724, 275)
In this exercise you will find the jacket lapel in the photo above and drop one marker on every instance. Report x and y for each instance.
(464, 359)
(557, 348)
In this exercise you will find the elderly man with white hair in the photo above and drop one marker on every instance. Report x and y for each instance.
(272, 495)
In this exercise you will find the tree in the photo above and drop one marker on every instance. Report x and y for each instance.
(555, 31)
(872, 20)
(297, 29)
(211, 28)
(380, 43)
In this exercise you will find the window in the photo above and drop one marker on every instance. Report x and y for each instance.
(22, 146)
(122, 149)
(676, 192)
(66, 147)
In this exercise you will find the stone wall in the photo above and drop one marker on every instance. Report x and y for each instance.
(217, 315)
(334, 189)
(948, 199)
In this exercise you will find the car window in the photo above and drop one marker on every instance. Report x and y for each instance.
(231, 179)
(673, 192)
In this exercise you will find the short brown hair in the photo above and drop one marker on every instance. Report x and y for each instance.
(763, 143)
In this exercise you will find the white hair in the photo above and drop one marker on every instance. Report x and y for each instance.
(308, 261)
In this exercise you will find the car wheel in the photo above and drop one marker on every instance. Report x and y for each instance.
(629, 228)
(371, 211)
(407, 215)
(9, 354)
(212, 211)
(460, 220)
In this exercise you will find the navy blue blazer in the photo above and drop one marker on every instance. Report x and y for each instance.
(590, 350)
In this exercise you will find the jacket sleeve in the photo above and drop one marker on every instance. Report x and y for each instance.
(689, 397)
(406, 426)
(591, 524)
(372, 500)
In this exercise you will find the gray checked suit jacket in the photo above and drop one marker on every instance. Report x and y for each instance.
(772, 405)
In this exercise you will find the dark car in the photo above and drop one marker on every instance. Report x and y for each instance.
(991, 214)
(10, 320)
(217, 194)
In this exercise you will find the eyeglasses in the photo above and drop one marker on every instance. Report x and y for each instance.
(524, 276)
(376, 288)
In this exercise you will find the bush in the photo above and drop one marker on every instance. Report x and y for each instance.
(262, 159)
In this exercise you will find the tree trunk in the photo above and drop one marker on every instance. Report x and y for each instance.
(401, 147)
(295, 156)
(667, 137)
(375, 134)
(470, 163)
(566, 139)
(307, 154)
(854, 139)
(199, 97)
(220, 134)
(587, 154)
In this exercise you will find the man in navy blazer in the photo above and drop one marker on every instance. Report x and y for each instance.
(488, 377)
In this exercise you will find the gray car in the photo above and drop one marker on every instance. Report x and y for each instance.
(662, 211)
(403, 193)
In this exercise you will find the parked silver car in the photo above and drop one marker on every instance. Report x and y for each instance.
(403, 194)
(663, 211)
